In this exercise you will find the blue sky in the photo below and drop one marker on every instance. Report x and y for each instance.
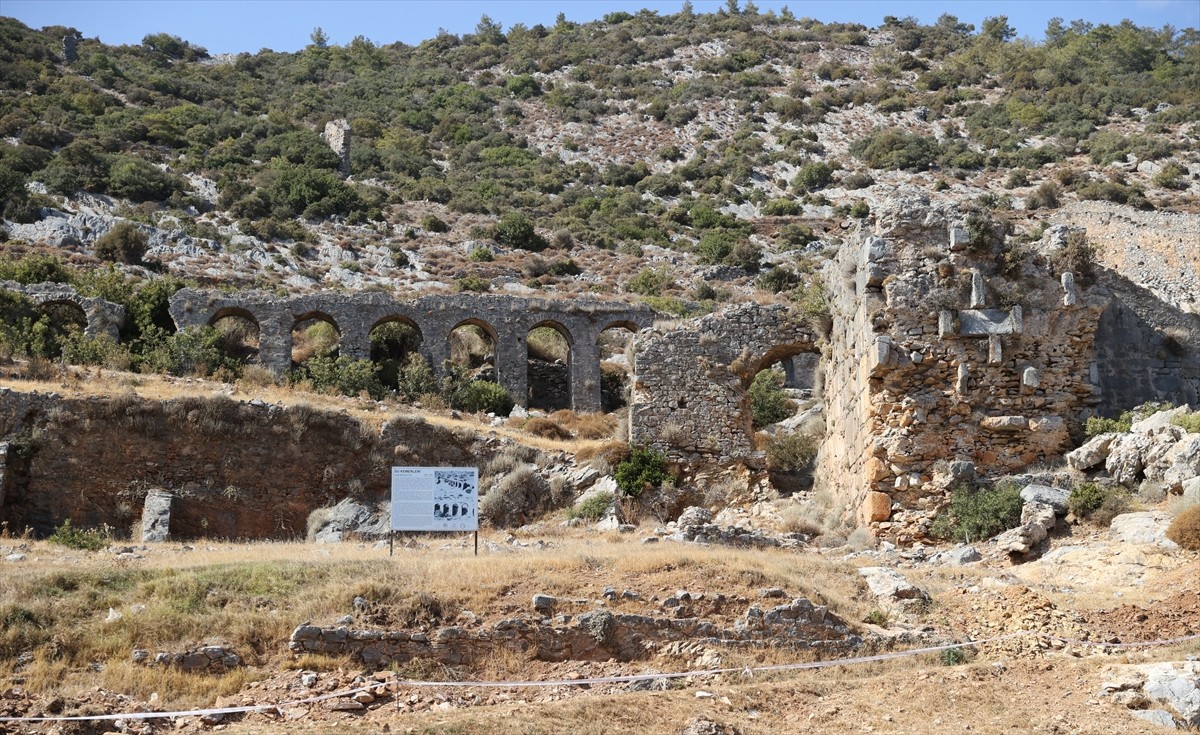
(230, 26)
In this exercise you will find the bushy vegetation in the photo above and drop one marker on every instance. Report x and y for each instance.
(1097, 503)
(90, 539)
(977, 514)
(593, 508)
(644, 469)
(769, 403)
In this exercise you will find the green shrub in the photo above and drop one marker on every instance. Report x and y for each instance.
(974, 515)
(953, 657)
(1185, 529)
(769, 403)
(593, 508)
(482, 396)
(648, 282)
(342, 374)
(877, 617)
(473, 284)
(433, 223)
(792, 452)
(1190, 422)
(1097, 425)
(515, 229)
(1085, 498)
(91, 539)
(813, 177)
(643, 470)
(782, 208)
(481, 254)
(415, 378)
(124, 243)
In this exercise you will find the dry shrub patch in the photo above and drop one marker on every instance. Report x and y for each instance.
(1185, 529)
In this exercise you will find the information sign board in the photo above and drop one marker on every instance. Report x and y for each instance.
(435, 499)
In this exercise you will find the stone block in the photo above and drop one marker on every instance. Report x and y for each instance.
(1054, 497)
(1031, 377)
(156, 516)
(986, 322)
(1070, 293)
(945, 324)
(978, 293)
(995, 350)
(960, 238)
(1004, 423)
(876, 507)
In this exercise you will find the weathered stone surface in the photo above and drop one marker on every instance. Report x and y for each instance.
(1149, 527)
(337, 136)
(957, 556)
(1053, 496)
(1092, 453)
(695, 516)
(876, 507)
(890, 586)
(348, 518)
(156, 516)
(103, 317)
(1037, 519)
(986, 322)
(1004, 423)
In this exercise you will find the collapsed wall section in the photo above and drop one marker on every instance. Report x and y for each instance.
(689, 397)
(945, 362)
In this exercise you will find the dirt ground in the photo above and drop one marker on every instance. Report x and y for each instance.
(1043, 680)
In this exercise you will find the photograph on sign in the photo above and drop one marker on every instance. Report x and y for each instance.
(435, 499)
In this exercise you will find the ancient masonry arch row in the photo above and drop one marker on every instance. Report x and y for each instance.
(103, 317)
(508, 319)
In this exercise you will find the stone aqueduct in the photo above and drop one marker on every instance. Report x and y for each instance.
(507, 320)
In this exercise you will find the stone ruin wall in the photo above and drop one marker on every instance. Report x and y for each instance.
(689, 395)
(234, 469)
(337, 137)
(942, 367)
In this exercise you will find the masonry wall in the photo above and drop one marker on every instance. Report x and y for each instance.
(689, 395)
(943, 367)
(1147, 350)
(237, 469)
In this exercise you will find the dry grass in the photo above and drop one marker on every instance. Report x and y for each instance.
(56, 607)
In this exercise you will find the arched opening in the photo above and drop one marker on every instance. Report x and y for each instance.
(616, 365)
(314, 334)
(394, 340)
(238, 333)
(473, 349)
(787, 412)
(64, 320)
(548, 366)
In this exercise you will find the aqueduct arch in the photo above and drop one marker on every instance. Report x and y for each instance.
(435, 318)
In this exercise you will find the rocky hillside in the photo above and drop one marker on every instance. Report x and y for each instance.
(686, 160)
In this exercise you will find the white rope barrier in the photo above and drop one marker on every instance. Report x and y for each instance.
(745, 671)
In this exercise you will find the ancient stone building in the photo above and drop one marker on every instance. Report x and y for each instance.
(102, 317)
(943, 361)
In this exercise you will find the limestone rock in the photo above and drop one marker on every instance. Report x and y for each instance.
(1054, 497)
(957, 556)
(349, 517)
(1159, 717)
(1036, 521)
(1177, 685)
(695, 516)
(1126, 458)
(1142, 528)
(890, 586)
(1092, 453)
(1182, 461)
(876, 507)
(156, 516)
